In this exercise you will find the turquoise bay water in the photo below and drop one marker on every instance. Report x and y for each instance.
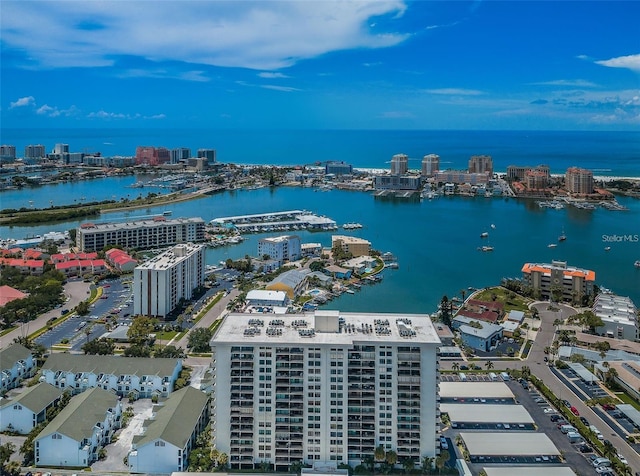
(435, 241)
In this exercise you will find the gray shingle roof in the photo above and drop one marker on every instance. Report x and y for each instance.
(37, 398)
(10, 355)
(175, 421)
(78, 418)
(290, 278)
(110, 364)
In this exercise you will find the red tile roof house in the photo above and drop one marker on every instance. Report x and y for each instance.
(489, 311)
(8, 294)
(121, 260)
(81, 267)
(26, 266)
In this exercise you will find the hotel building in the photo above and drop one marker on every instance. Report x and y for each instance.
(518, 172)
(324, 387)
(160, 283)
(338, 168)
(179, 154)
(209, 154)
(34, 152)
(480, 164)
(399, 164)
(579, 180)
(143, 234)
(280, 248)
(574, 282)
(8, 152)
(152, 155)
(430, 165)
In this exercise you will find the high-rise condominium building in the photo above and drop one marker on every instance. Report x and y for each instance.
(338, 168)
(180, 153)
(146, 155)
(324, 387)
(579, 180)
(430, 165)
(479, 164)
(160, 283)
(142, 234)
(34, 152)
(60, 149)
(8, 152)
(209, 154)
(399, 164)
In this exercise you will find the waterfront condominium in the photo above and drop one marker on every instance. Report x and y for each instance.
(545, 278)
(160, 283)
(142, 234)
(480, 164)
(324, 387)
(209, 154)
(280, 248)
(351, 244)
(579, 181)
(430, 165)
(399, 164)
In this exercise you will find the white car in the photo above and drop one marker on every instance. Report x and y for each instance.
(623, 460)
(549, 410)
(604, 470)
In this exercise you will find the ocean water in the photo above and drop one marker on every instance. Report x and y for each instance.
(607, 153)
(436, 241)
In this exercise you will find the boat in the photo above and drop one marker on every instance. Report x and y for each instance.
(637, 263)
(562, 236)
(493, 226)
(486, 248)
(552, 245)
(484, 234)
(607, 248)
(167, 213)
(392, 265)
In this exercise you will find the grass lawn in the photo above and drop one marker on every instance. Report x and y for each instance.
(627, 399)
(515, 303)
(164, 335)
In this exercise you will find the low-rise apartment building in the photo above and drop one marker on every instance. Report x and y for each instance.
(74, 437)
(573, 283)
(144, 377)
(17, 363)
(29, 408)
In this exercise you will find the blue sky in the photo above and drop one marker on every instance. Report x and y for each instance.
(321, 64)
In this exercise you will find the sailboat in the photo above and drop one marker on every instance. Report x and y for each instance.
(562, 236)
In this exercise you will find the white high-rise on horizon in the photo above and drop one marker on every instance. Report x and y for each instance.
(324, 387)
(430, 165)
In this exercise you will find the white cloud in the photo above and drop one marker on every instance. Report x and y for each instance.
(267, 35)
(285, 89)
(455, 92)
(197, 76)
(102, 114)
(47, 110)
(631, 62)
(23, 102)
(271, 75)
(575, 83)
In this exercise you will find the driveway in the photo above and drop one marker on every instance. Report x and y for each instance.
(116, 452)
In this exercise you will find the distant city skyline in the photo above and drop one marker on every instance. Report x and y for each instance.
(388, 64)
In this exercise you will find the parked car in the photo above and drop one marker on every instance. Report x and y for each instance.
(584, 421)
(575, 411)
(608, 406)
(567, 403)
(555, 418)
(584, 448)
(443, 443)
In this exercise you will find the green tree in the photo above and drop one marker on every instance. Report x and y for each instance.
(427, 464)
(455, 366)
(408, 465)
(100, 346)
(391, 457)
(488, 365)
(83, 308)
(379, 454)
(198, 339)
(140, 328)
(137, 350)
(608, 450)
(6, 451)
(442, 460)
(169, 351)
(445, 310)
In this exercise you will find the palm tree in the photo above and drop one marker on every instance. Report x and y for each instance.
(426, 463)
(455, 366)
(391, 457)
(369, 462)
(610, 376)
(526, 372)
(379, 454)
(608, 450)
(408, 465)
(488, 364)
(442, 460)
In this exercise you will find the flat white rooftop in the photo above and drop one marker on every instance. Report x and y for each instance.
(508, 444)
(475, 390)
(529, 471)
(321, 327)
(486, 413)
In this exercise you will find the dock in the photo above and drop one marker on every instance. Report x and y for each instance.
(291, 220)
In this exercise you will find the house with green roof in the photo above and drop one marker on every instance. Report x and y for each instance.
(29, 408)
(72, 439)
(169, 436)
(16, 364)
(144, 377)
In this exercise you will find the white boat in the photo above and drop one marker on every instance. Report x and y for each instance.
(486, 248)
(562, 236)
(484, 234)
(493, 226)
(167, 213)
(552, 245)
(607, 248)
(637, 263)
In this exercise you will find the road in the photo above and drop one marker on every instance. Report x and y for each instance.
(535, 362)
(75, 291)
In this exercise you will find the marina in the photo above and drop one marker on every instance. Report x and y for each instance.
(292, 220)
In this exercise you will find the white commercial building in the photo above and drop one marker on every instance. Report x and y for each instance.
(324, 387)
(280, 248)
(160, 283)
(264, 297)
